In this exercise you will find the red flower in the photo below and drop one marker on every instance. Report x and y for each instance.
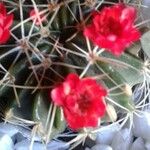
(113, 28)
(37, 16)
(6, 21)
(82, 101)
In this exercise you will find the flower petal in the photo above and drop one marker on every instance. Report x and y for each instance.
(58, 96)
(8, 21)
(5, 36)
(2, 9)
(5, 23)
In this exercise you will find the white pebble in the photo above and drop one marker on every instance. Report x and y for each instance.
(138, 144)
(141, 127)
(25, 145)
(122, 140)
(106, 135)
(6, 142)
(8, 129)
(57, 145)
(53, 145)
(87, 148)
(147, 145)
(101, 147)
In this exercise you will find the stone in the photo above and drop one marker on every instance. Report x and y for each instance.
(27, 134)
(25, 145)
(89, 142)
(18, 138)
(138, 144)
(6, 142)
(8, 129)
(53, 145)
(122, 140)
(105, 136)
(141, 125)
(57, 145)
(101, 147)
(87, 148)
(17, 133)
(147, 145)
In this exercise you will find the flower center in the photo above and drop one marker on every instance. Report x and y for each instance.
(84, 102)
(110, 26)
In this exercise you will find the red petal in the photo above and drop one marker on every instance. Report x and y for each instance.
(8, 21)
(101, 107)
(5, 37)
(74, 121)
(128, 16)
(71, 102)
(91, 121)
(2, 9)
(58, 96)
(131, 35)
(72, 80)
(1, 31)
(90, 32)
(77, 122)
(2, 18)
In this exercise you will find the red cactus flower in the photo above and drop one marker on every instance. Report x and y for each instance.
(82, 101)
(113, 28)
(37, 16)
(6, 21)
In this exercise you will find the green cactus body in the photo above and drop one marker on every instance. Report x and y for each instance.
(41, 56)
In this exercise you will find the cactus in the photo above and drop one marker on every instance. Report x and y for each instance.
(46, 45)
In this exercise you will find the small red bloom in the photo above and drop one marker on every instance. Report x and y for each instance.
(6, 21)
(38, 16)
(113, 28)
(82, 101)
